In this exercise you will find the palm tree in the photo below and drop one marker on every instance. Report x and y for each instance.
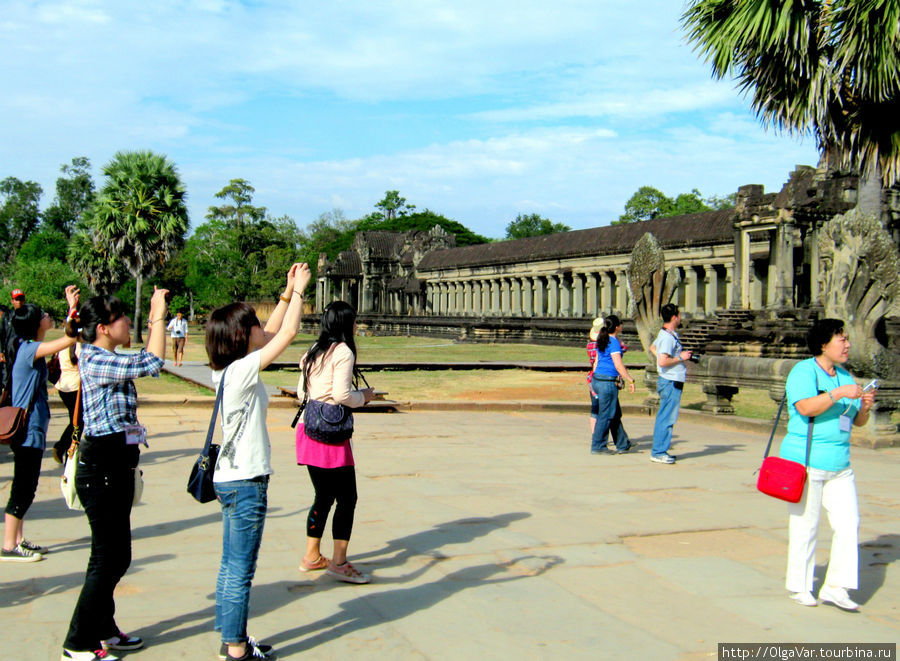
(830, 67)
(140, 215)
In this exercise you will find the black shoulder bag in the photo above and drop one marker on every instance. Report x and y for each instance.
(200, 483)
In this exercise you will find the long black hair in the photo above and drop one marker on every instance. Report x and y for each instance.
(337, 326)
(610, 324)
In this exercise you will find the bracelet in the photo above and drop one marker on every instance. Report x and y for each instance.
(284, 298)
(160, 319)
(831, 397)
(298, 293)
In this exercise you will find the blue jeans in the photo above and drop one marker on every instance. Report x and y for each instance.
(669, 405)
(244, 505)
(609, 416)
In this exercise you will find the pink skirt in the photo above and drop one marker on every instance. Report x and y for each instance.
(322, 455)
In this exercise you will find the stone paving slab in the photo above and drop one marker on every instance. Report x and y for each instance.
(491, 535)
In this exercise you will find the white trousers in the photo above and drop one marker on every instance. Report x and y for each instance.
(836, 492)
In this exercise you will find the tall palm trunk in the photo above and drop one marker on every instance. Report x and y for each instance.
(138, 338)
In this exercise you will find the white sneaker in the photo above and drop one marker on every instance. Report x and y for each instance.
(804, 598)
(838, 597)
(99, 655)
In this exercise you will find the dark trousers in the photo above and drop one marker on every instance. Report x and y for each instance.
(332, 484)
(62, 445)
(106, 491)
(26, 473)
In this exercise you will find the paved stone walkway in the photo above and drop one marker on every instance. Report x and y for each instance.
(490, 535)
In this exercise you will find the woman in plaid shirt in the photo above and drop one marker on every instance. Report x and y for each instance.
(109, 456)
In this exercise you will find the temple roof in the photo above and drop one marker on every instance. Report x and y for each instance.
(346, 263)
(695, 229)
(382, 245)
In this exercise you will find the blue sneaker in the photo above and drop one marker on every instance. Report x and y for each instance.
(664, 458)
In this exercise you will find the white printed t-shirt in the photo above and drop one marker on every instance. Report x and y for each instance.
(245, 451)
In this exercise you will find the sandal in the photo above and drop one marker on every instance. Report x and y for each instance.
(321, 563)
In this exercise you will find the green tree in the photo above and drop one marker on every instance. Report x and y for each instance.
(74, 195)
(686, 203)
(141, 214)
(45, 244)
(44, 281)
(392, 205)
(830, 67)
(533, 225)
(240, 253)
(647, 203)
(19, 215)
(95, 263)
(421, 221)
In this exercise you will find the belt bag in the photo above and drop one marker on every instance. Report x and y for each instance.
(327, 423)
(782, 478)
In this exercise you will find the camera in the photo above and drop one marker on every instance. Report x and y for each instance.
(695, 357)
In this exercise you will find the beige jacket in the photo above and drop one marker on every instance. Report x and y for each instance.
(331, 378)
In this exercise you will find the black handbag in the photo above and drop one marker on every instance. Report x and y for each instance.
(327, 423)
(200, 483)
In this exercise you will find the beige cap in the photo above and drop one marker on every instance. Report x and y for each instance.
(595, 328)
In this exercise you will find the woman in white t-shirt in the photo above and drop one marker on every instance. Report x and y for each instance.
(239, 349)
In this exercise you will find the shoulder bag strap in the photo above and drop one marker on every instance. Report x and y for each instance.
(215, 413)
(809, 433)
(775, 426)
(76, 428)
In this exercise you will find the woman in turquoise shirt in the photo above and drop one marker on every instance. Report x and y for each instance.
(819, 388)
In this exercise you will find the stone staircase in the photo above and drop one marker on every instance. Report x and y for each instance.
(697, 334)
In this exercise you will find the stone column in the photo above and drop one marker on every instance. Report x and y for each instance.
(320, 294)
(365, 295)
(812, 241)
(591, 289)
(538, 296)
(565, 297)
(504, 296)
(710, 289)
(476, 298)
(527, 297)
(577, 295)
(755, 290)
(467, 299)
(495, 298)
(621, 293)
(729, 285)
(552, 295)
(515, 297)
(690, 289)
(485, 298)
(783, 294)
(743, 268)
(606, 291)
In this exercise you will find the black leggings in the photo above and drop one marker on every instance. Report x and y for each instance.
(26, 472)
(332, 484)
(62, 445)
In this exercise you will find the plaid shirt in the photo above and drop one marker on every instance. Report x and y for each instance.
(108, 394)
(592, 356)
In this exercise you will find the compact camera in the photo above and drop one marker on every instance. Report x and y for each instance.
(695, 357)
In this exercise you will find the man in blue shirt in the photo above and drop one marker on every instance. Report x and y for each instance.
(670, 364)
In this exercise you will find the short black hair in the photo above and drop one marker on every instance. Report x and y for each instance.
(26, 321)
(95, 311)
(821, 332)
(668, 311)
(228, 334)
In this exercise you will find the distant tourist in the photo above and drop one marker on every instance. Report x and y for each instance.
(672, 372)
(822, 393)
(608, 369)
(30, 393)
(110, 451)
(326, 375)
(178, 329)
(239, 349)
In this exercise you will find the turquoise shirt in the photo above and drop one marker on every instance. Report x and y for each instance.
(830, 446)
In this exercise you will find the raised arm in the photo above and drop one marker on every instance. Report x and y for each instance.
(55, 346)
(298, 277)
(156, 343)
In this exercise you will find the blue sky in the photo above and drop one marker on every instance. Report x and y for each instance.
(479, 110)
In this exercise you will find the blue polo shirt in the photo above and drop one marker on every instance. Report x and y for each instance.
(29, 386)
(830, 446)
